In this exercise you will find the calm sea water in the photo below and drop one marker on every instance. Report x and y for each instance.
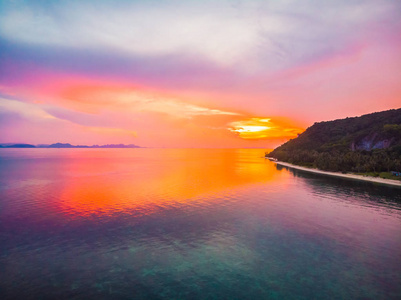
(190, 224)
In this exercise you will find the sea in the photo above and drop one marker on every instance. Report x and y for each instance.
(191, 224)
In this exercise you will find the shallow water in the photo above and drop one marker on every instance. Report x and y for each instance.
(190, 224)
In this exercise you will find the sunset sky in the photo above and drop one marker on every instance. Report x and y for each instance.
(192, 73)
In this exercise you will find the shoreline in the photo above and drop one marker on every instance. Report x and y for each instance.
(347, 175)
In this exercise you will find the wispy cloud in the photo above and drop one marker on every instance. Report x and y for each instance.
(271, 34)
(44, 113)
(26, 110)
(98, 97)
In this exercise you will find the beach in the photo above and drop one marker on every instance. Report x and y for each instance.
(347, 175)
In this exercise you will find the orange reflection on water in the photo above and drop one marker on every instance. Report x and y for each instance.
(140, 181)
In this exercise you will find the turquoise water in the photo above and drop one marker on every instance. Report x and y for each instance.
(190, 224)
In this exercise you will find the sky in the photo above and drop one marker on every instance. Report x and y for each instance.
(192, 73)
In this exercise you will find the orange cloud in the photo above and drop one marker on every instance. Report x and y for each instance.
(92, 98)
(264, 128)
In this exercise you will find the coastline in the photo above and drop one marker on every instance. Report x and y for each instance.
(336, 174)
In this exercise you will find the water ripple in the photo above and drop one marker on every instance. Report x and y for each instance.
(190, 224)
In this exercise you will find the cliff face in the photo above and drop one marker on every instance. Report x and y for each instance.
(372, 142)
(371, 139)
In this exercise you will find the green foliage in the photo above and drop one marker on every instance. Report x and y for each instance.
(370, 143)
(392, 129)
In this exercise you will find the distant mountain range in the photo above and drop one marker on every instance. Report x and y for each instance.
(66, 145)
(369, 143)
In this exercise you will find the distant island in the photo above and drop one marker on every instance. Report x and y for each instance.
(66, 145)
(366, 145)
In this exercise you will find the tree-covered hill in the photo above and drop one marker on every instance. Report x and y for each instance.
(370, 143)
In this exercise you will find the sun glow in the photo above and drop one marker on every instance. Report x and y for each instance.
(246, 128)
(264, 128)
(111, 190)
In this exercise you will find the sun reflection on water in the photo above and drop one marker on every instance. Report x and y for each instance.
(104, 186)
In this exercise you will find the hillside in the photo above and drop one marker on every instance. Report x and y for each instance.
(369, 143)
